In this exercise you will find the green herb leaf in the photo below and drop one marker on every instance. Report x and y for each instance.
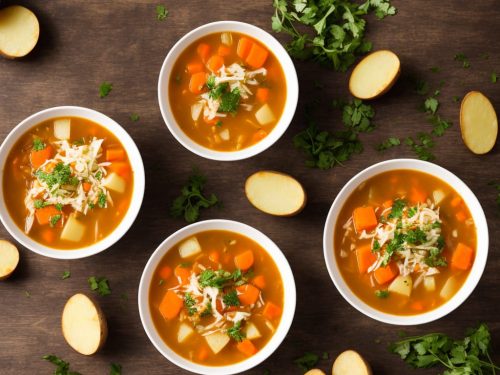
(389, 143)
(231, 299)
(190, 302)
(456, 99)
(161, 12)
(38, 144)
(494, 77)
(207, 311)
(105, 89)
(463, 59)
(102, 200)
(62, 367)
(397, 209)
(66, 275)
(235, 332)
(382, 293)
(99, 285)
(134, 117)
(115, 369)
(59, 176)
(39, 203)
(54, 219)
(307, 361)
(230, 101)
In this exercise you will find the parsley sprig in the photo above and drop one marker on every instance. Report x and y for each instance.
(62, 367)
(104, 89)
(235, 332)
(38, 144)
(99, 285)
(229, 100)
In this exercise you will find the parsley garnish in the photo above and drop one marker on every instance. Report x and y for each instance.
(307, 361)
(412, 211)
(230, 101)
(207, 311)
(161, 12)
(39, 203)
(382, 294)
(434, 259)
(134, 117)
(376, 246)
(115, 369)
(190, 302)
(463, 59)
(389, 143)
(337, 28)
(105, 89)
(494, 77)
(102, 200)
(235, 332)
(38, 144)
(422, 146)
(59, 206)
(231, 299)
(218, 279)
(66, 275)
(59, 176)
(98, 175)
(62, 366)
(397, 209)
(192, 199)
(54, 219)
(99, 285)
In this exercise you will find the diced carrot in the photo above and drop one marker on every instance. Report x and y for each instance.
(37, 158)
(418, 196)
(194, 67)
(203, 51)
(417, 305)
(246, 347)
(197, 82)
(259, 135)
(182, 274)
(462, 257)
(365, 258)
(48, 235)
(170, 305)
(416, 268)
(218, 306)
(244, 260)
(215, 63)
(214, 256)
(202, 354)
(244, 46)
(385, 274)
(248, 294)
(257, 56)
(223, 50)
(455, 201)
(262, 94)
(212, 121)
(121, 168)
(388, 203)
(364, 218)
(115, 153)
(44, 214)
(165, 272)
(86, 186)
(461, 216)
(259, 281)
(271, 311)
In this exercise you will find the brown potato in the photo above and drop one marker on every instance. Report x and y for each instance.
(350, 363)
(275, 193)
(374, 75)
(9, 259)
(478, 123)
(19, 31)
(84, 325)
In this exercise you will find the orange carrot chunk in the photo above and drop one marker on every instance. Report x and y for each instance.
(248, 294)
(182, 274)
(271, 311)
(417, 305)
(214, 256)
(203, 51)
(244, 46)
(462, 257)
(364, 218)
(170, 305)
(37, 158)
(44, 214)
(244, 260)
(194, 67)
(388, 203)
(461, 216)
(365, 258)
(418, 196)
(259, 135)
(262, 94)
(223, 50)
(86, 186)
(455, 201)
(259, 281)
(202, 354)
(385, 274)
(257, 56)
(197, 82)
(215, 63)
(48, 235)
(115, 153)
(121, 168)
(246, 347)
(165, 272)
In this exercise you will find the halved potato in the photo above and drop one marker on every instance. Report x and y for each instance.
(84, 325)
(374, 75)
(184, 332)
(315, 371)
(351, 363)
(275, 193)
(19, 31)
(478, 123)
(9, 259)
(189, 247)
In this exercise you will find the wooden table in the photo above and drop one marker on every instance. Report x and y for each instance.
(85, 43)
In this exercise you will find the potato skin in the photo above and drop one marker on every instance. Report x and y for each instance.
(6, 276)
(282, 174)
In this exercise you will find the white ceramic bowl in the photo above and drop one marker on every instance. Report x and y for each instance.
(481, 250)
(288, 287)
(273, 45)
(135, 161)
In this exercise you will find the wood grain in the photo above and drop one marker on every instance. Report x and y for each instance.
(85, 43)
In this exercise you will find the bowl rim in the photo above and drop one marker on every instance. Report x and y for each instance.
(289, 296)
(292, 89)
(135, 161)
(481, 246)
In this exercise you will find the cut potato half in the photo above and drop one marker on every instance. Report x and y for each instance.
(374, 75)
(19, 31)
(478, 123)
(351, 363)
(9, 259)
(315, 371)
(275, 193)
(84, 325)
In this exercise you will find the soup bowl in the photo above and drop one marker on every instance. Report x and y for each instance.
(289, 296)
(292, 89)
(135, 163)
(475, 272)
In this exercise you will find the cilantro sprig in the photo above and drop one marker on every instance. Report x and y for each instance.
(235, 332)
(38, 144)
(104, 89)
(62, 367)
(161, 12)
(99, 285)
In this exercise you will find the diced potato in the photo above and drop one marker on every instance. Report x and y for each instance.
(227, 38)
(184, 332)
(252, 332)
(189, 248)
(430, 283)
(438, 196)
(62, 128)
(73, 230)
(217, 341)
(114, 182)
(265, 115)
(449, 288)
(224, 135)
(401, 285)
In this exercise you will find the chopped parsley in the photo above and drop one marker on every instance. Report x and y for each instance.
(388, 143)
(307, 361)
(494, 77)
(105, 89)
(219, 278)
(66, 275)
(98, 175)
(102, 200)
(231, 299)
(397, 209)
(59, 176)
(54, 219)
(463, 59)
(115, 369)
(190, 302)
(59, 206)
(161, 12)
(134, 117)
(412, 211)
(62, 367)
(229, 100)
(376, 246)
(382, 294)
(38, 144)
(218, 123)
(235, 332)
(39, 203)
(207, 311)
(99, 285)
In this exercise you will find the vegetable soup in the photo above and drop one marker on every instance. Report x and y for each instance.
(216, 298)
(405, 242)
(227, 91)
(67, 183)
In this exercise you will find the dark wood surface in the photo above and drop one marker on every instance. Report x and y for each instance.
(85, 43)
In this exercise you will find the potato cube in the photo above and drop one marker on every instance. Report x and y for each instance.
(73, 230)
(62, 128)
(217, 341)
(430, 283)
(401, 285)
(252, 332)
(115, 183)
(265, 115)
(449, 288)
(184, 332)
(189, 247)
